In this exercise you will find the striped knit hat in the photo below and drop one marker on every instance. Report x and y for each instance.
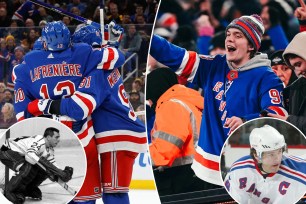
(251, 26)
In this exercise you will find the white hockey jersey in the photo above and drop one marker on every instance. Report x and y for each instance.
(246, 184)
(34, 146)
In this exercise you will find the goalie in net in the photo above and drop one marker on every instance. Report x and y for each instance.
(26, 155)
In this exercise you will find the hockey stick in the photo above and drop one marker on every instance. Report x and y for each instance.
(59, 181)
(102, 21)
(66, 13)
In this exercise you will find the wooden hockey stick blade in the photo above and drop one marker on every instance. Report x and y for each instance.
(59, 181)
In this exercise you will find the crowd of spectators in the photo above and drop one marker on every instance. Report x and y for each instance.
(21, 23)
(200, 26)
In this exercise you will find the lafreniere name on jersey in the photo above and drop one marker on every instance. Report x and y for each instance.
(54, 70)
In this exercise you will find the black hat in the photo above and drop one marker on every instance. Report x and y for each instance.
(218, 40)
(158, 82)
(277, 58)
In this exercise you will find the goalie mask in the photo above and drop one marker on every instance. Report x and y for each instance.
(265, 139)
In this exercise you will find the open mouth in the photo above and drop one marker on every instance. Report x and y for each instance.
(275, 165)
(230, 48)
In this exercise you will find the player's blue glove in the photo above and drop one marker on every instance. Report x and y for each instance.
(113, 34)
(39, 107)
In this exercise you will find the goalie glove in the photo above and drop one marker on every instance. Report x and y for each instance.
(68, 171)
(39, 107)
(113, 34)
(54, 173)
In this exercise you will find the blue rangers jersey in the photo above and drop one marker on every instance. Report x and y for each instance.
(26, 10)
(59, 75)
(227, 92)
(115, 123)
(246, 184)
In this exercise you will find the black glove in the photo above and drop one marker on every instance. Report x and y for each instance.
(67, 174)
(54, 173)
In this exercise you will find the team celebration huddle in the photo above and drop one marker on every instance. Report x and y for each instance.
(156, 101)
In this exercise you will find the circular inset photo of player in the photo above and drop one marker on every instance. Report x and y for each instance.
(42, 161)
(263, 162)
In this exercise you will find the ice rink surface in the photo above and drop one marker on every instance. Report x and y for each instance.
(136, 197)
(55, 194)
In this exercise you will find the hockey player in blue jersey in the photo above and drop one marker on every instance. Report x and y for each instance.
(237, 87)
(66, 70)
(268, 174)
(119, 134)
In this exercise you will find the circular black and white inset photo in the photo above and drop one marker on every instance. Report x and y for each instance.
(42, 161)
(263, 161)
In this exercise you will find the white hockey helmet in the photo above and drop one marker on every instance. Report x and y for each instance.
(266, 139)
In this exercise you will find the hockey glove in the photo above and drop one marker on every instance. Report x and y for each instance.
(67, 172)
(53, 172)
(39, 107)
(114, 34)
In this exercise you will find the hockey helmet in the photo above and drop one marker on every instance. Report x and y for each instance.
(38, 44)
(266, 139)
(56, 35)
(88, 34)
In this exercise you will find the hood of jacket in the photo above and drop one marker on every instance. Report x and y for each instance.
(259, 60)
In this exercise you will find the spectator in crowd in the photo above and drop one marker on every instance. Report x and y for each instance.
(126, 18)
(16, 59)
(114, 13)
(8, 97)
(10, 43)
(7, 116)
(141, 25)
(151, 8)
(130, 44)
(29, 23)
(295, 56)
(151, 15)
(5, 20)
(137, 85)
(205, 31)
(76, 11)
(4, 58)
(66, 20)
(275, 37)
(281, 69)
(228, 104)
(185, 38)
(2, 87)
(138, 12)
(41, 25)
(217, 45)
(79, 5)
(134, 98)
(44, 15)
(14, 29)
(96, 15)
(28, 42)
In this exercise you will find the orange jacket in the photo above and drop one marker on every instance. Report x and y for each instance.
(176, 128)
